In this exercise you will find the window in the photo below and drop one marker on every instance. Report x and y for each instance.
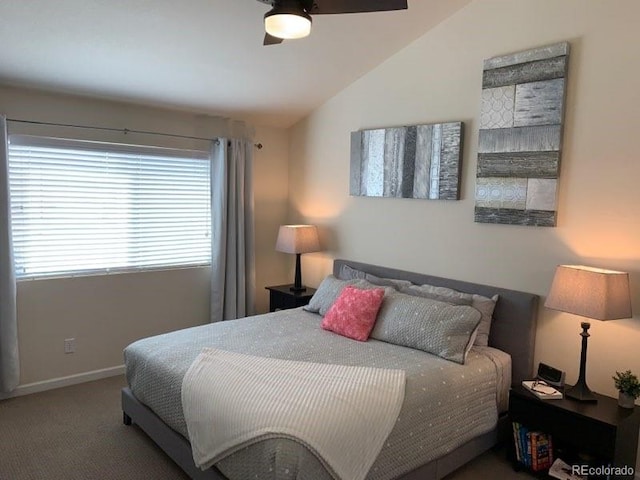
(85, 207)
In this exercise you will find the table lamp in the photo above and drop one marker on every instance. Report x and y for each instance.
(298, 239)
(592, 293)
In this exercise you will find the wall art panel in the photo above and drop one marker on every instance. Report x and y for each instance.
(520, 139)
(419, 161)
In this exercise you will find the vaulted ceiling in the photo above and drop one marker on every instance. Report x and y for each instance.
(199, 55)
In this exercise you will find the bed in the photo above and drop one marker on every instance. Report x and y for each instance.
(153, 404)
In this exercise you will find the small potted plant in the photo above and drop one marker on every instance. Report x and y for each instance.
(628, 386)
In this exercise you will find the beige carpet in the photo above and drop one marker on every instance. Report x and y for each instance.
(76, 433)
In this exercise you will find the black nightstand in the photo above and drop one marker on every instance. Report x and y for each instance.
(282, 297)
(602, 430)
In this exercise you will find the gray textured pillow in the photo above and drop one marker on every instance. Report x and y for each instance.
(330, 289)
(483, 304)
(435, 327)
(349, 273)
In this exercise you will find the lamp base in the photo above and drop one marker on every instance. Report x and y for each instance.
(297, 282)
(581, 393)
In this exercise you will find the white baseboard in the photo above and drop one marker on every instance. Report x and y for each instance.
(45, 385)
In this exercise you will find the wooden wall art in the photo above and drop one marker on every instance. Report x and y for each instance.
(420, 161)
(520, 140)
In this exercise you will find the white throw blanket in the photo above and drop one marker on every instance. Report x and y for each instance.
(343, 414)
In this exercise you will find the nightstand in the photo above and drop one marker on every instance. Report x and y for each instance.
(601, 430)
(281, 297)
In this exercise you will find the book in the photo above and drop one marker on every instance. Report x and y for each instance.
(533, 449)
(541, 451)
(519, 433)
(542, 390)
(523, 446)
(516, 440)
(563, 471)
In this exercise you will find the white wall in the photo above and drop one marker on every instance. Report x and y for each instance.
(438, 78)
(105, 313)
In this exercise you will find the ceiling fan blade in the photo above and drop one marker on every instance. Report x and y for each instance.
(356, 6)
(271, 40)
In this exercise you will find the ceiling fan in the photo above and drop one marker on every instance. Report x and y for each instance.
(290, 19)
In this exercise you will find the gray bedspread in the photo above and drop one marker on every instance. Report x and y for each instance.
(446, 404)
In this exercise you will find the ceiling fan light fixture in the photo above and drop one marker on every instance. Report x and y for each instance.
(287, 23)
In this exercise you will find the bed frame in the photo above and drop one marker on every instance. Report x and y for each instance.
(512, 330)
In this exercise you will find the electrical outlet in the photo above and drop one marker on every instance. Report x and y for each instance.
(69, 345)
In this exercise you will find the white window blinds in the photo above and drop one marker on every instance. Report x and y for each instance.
(86, 207)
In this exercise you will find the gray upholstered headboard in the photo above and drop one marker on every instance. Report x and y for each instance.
(513, 329)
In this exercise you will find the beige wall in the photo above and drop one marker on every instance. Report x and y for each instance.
(438, 78)
(105, 313)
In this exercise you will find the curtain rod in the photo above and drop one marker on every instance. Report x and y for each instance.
(121, 130)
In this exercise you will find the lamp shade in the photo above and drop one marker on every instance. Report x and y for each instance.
(298, 239)
(590, 292)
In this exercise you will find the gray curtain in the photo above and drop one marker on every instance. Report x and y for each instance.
(232, 236)
(9, 362)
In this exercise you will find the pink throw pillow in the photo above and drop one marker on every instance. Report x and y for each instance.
(354, 312)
